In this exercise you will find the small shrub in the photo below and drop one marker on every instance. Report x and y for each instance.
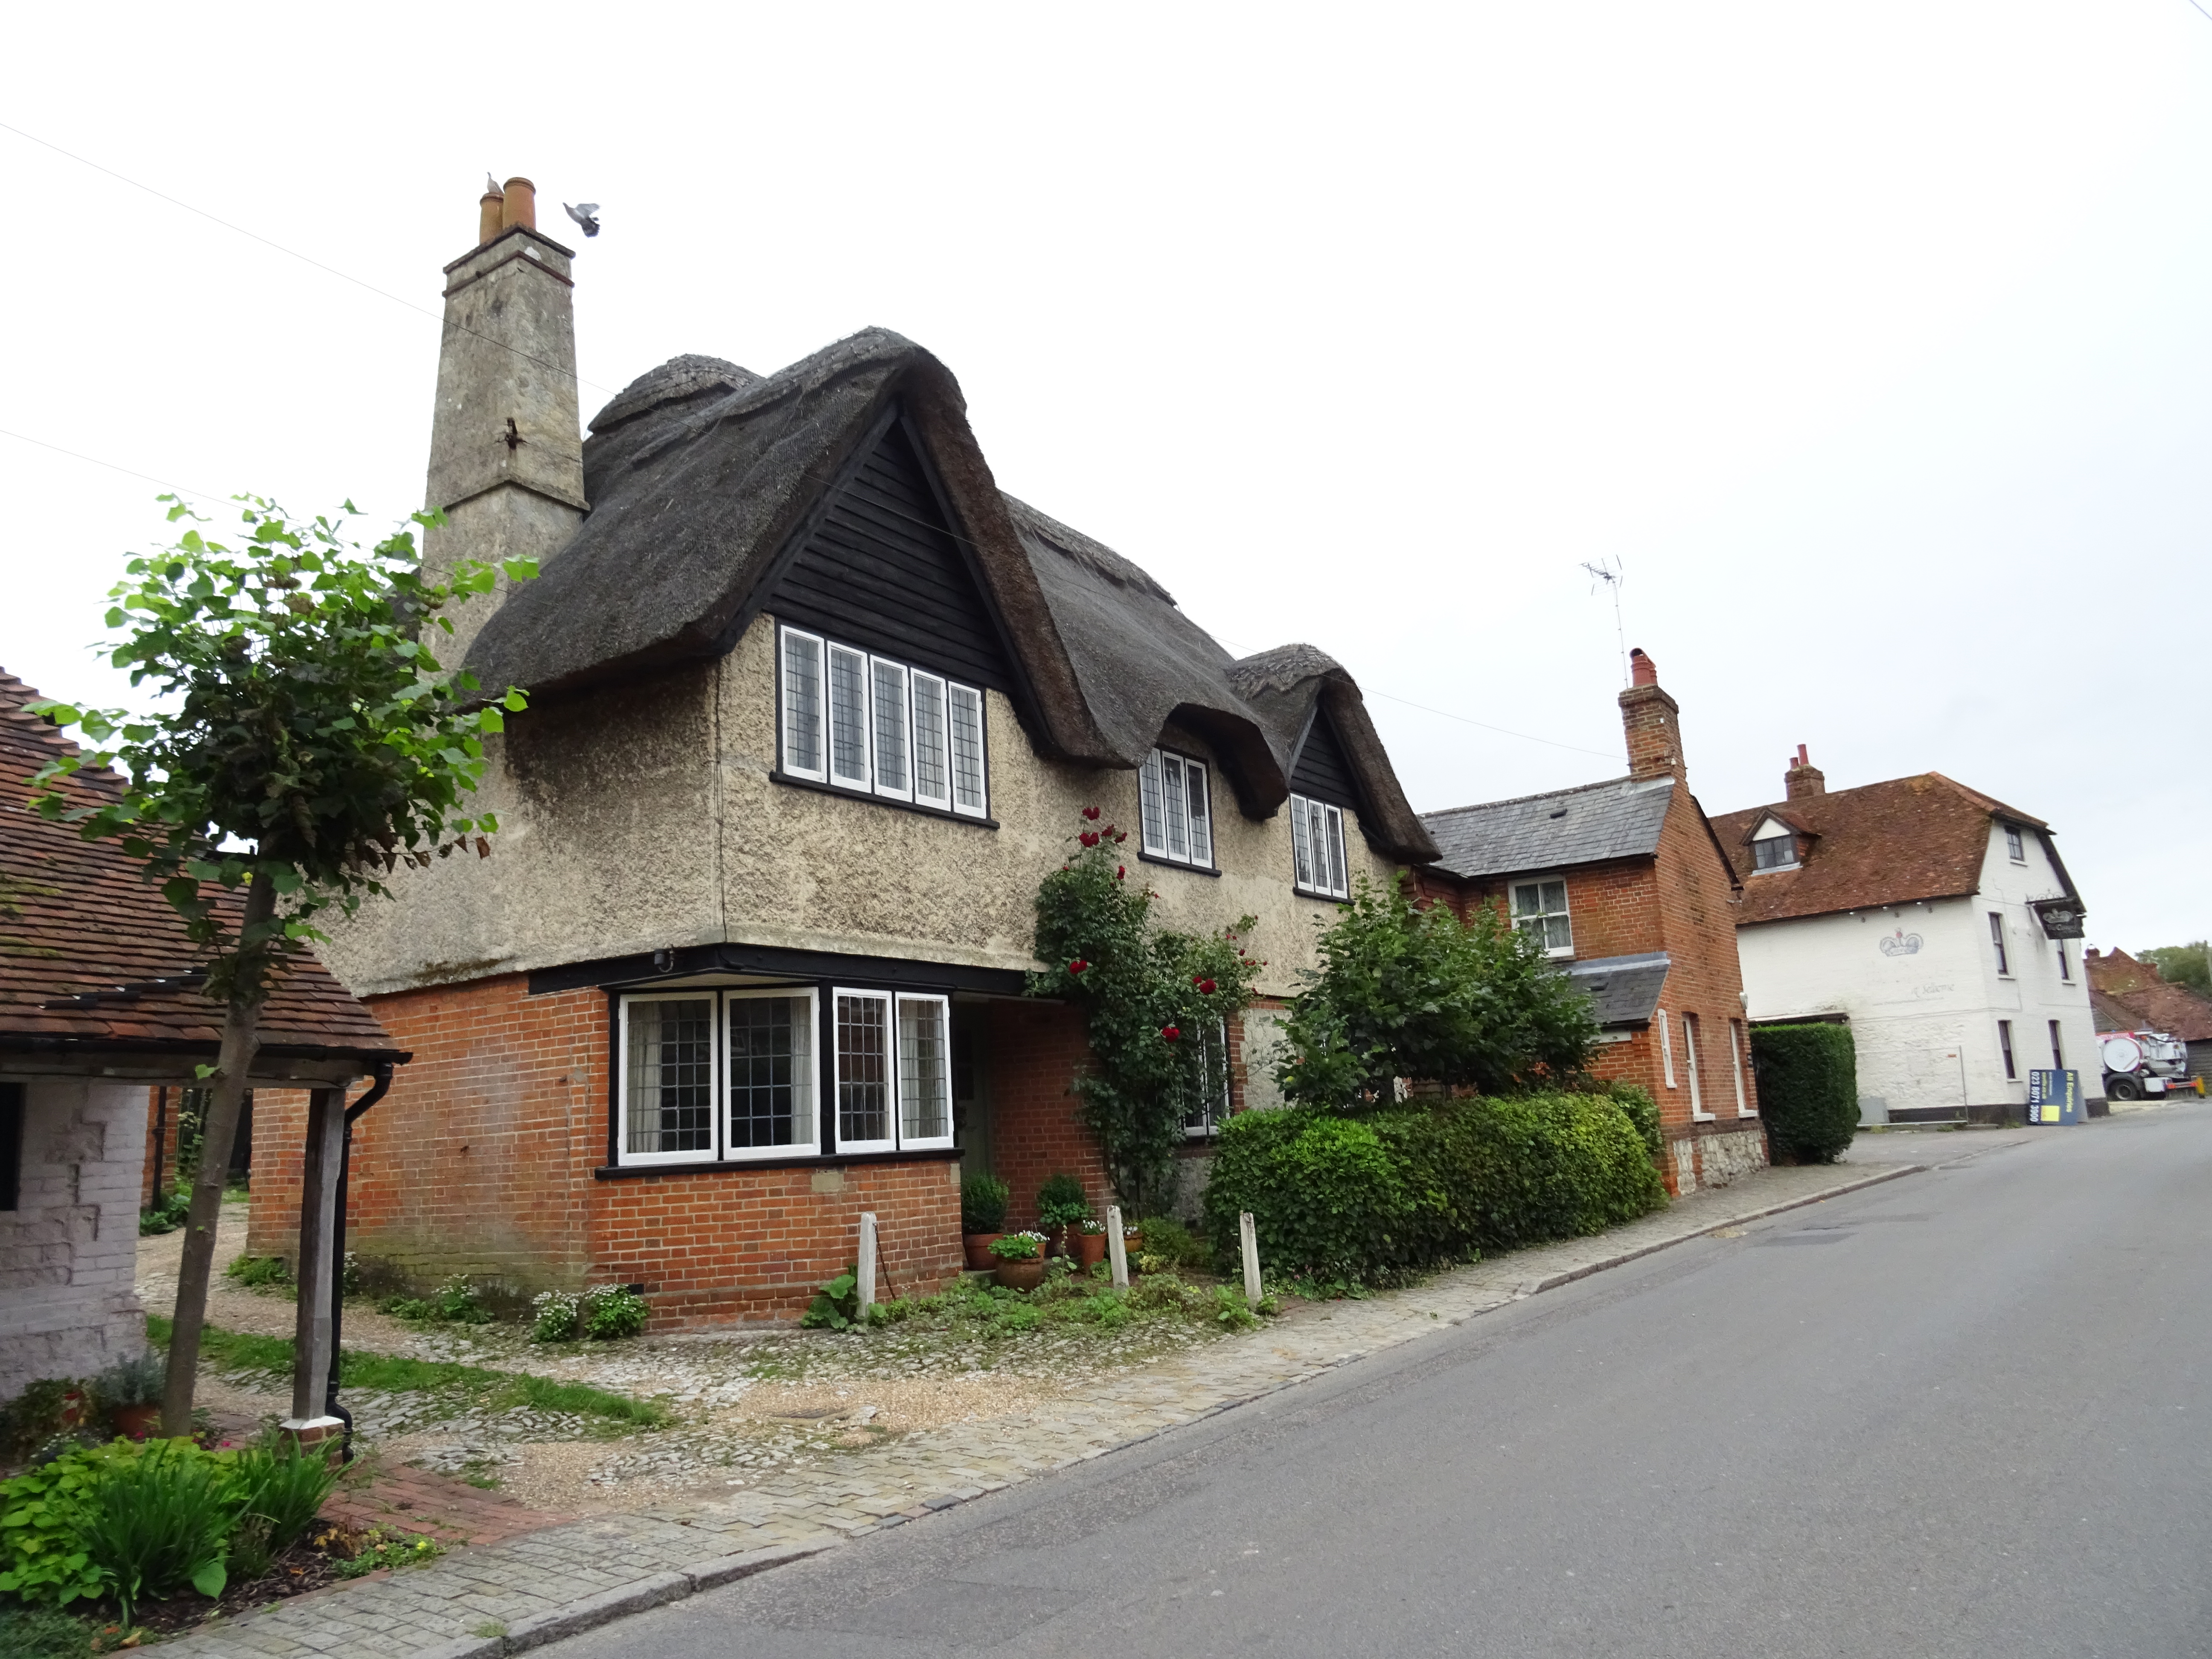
(1017, 1247)
(156, 1524)
(256, 1271)
(166, 1214)
(1170, 1244)
(284, 1489)
(1231, 1309)
(455, 1302)
(52, 1406)
(43, 1558)
(612, 1312)
(556, 1316)
(1808, 1091)
(835, 1304)
(391, 1549)
(983, 1201)
(1635, 1099)
(135, 1382)
(1061, 1201)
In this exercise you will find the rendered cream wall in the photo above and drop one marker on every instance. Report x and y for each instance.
(621, 832)
(1924, 1020)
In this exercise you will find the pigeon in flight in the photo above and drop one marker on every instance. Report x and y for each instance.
(585, 214)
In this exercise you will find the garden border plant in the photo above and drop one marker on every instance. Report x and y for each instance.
(1144, 992)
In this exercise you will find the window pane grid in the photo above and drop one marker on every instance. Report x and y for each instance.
(848, 716)
(890, 734)
(771, 1087)
(802, 703)
(1201, 823)
(925, 1106)
(1540, 908)
(931, 774)
(671, 1066)
(968, 794)
(1173, 811)
(863, 1068)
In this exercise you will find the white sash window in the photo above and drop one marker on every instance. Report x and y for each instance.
(1176, 809)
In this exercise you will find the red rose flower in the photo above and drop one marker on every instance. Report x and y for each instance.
(1206, 986)
(1170, 1033)
(1121, 872)
(1088, 838)
(1078, 965)
(1124, 835)
(1092, 813)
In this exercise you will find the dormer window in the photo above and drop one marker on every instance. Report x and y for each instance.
(1317, 849)
(1774, 847)
(1178, 809)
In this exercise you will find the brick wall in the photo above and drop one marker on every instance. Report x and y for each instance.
(481, 1160)
(69, 1250)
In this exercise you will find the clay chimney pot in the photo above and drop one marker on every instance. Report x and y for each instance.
(1642, 670)
(489, 221)
(519, 206)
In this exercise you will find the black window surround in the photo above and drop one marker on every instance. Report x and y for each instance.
(13, 1112)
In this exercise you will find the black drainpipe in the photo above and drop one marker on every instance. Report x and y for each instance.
(331, 1407)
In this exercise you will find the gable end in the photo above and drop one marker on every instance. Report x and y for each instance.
(1322, 771)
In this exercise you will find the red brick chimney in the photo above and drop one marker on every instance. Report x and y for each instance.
(1651, 720)
(1803, 778)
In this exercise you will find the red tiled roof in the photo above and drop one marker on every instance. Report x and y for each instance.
(1922, 837)
(76, 917)
(2151, 1003)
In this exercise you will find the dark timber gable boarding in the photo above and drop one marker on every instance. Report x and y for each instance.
(885, 571)
(1323, 772)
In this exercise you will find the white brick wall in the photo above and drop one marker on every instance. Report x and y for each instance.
(69, 1252)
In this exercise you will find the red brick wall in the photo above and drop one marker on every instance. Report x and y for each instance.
(481, 1160)
(1036, 1050)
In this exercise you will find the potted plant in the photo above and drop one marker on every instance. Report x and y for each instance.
(1088, 1238)
(1020, 1259)
(983, 1217)
(130, 1391)
(1060, 1206)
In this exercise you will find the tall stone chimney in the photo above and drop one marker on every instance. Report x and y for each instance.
(506, 458)
(1653, 723)
(1803, 778)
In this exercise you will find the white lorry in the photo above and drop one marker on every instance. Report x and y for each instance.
(2139, 1063)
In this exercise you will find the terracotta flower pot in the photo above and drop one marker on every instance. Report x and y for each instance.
(136, 1422)
(1022, 1275)
(978, 1246)
(1090, 1249)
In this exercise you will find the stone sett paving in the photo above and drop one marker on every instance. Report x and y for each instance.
(515, 1593)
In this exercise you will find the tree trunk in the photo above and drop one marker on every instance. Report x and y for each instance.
(218, 1131)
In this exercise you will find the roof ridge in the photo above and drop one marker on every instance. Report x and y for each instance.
(1542, 794)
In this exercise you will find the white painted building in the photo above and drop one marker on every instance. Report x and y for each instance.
(1939, 924)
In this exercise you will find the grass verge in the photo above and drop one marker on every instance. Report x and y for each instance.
(396, 1374)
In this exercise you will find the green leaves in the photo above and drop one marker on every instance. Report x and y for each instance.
(306, 736)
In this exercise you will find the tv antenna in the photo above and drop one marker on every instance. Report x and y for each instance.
(1609, 572)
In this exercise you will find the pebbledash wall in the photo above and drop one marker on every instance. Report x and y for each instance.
(1919, 987)
(68, 1249)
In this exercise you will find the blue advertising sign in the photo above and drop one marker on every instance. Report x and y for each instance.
(2054, 1096)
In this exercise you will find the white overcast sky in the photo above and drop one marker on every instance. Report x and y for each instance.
(1873, 342)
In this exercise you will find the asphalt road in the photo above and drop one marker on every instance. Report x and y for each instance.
(1962, 1413)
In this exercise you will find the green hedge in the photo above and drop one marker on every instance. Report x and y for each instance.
(1361, 1198)
(1808, 1089)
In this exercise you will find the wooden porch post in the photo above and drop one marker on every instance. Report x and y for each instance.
(309, 1423)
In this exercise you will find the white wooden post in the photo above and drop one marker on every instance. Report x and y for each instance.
(1250, 1242)
(310, 1349)
(866, 1273)
(1117, 1253)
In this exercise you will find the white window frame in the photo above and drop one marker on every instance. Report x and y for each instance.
(1317, 831)
(2016, 843)
(623, 1156)
(1540, 915)
(941, 753)
(1787, 842)
(944, 1006)
(1213, 1104)
(1698, 1112)
(884, 727)
(786, 638)
(890, 1142)
(811, 1145)
(959, 698)
(1743, 1107)
(1163, 821)
(1666, 1047)
(864, 778)
(1998, 941)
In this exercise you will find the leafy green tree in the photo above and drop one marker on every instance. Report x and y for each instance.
(1404, 991)
(306, 739)
(1150, 996)
(2184, 964)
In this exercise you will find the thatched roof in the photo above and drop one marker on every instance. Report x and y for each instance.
(703, 475)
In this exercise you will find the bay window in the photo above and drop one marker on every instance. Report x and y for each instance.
(878, 726)
(1317, 849)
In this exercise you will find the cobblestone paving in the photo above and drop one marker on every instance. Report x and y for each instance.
(533, 1589)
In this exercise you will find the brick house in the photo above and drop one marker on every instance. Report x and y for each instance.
(815, 708)
(2129, 996)
(98, 998)
(1634, 899)
(1939, 923)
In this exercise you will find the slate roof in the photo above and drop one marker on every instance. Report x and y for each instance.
(1618, 819)
(701, 474)
(1898, 842)
(2149, 1001)
(79, 926)
(1623, 990)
